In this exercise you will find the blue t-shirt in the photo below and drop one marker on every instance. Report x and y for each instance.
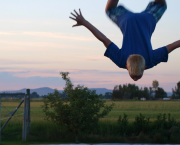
(137, 29)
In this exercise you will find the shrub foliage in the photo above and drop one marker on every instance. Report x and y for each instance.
(79, 111)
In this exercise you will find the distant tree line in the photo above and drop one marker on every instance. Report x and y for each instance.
(11, 95)
(131, 91)
(19, 95)
(176, 91)
(123, 92)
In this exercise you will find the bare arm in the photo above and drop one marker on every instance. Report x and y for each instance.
(82, 22)
(173, 46)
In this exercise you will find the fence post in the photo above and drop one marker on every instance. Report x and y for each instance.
(24, 132)
(0, 118)
(28, 112)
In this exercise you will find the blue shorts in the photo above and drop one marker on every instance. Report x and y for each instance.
(156, 9)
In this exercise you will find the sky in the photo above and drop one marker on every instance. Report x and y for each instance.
(37, 42)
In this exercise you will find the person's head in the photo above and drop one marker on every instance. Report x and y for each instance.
(135, 66)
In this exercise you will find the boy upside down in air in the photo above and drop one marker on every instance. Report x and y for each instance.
(136, 53)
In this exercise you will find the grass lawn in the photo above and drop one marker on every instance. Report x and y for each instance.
(131, 108)
(43, 131)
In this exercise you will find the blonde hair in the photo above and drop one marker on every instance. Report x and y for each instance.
(136, 64)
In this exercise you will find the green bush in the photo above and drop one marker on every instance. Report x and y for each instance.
(141, 123)
(123, 123)
(163, 122)
(175, 136)
(80, 112)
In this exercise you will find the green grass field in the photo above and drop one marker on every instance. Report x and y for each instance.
(107, 130)
(131, 108)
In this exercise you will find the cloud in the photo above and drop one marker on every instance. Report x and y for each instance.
(93, 57)
(92, 81)
(80, 71)
(11, 82)
(71, 37)
(124, 71)
(8, 33)
(17, 79)
(39, 47)
(33, 62)
(35, 22)
(75, 73)
(21, 78)
(59, 36)
(22, 72)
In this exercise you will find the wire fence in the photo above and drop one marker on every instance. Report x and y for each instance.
(8, 112)
(13, 116)
(8, 108)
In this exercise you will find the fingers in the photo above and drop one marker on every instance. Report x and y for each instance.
(76, 17)
(73, 15)
(76, 13)
(75, 25)
(80, 12)
(72, 18)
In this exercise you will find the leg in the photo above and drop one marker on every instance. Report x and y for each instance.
(156, 8)
(113, 11)
(111, 4)
(161, 1)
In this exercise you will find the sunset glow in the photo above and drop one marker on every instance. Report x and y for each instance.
(37, 42)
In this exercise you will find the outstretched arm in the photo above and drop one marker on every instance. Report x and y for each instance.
(173, 46)
(82, 22)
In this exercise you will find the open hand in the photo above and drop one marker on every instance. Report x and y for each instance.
(78, 18)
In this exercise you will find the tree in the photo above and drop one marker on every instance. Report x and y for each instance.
(108, 95)
(155, 85)
(80, 111)
(115, 93)
(150, 92)
(34, 95)
(130, 91)
(160, 93)
(146, 93)
(176, 91)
